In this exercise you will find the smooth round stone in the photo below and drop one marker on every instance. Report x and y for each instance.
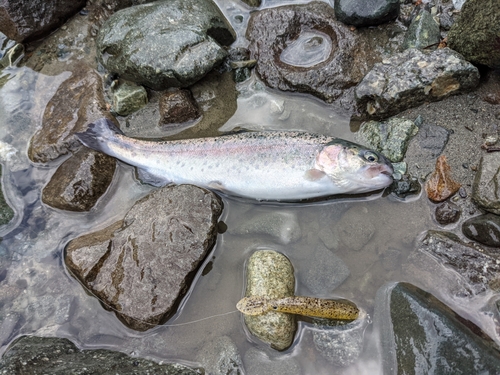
(309, 49)
(484, 229)
(366, 13)
(270, 274)
(447, 213)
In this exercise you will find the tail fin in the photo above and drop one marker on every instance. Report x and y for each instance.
(99, 134)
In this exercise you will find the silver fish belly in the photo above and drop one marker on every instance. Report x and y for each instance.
(281, 166)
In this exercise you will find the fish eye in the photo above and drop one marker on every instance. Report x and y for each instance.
(370, 156)
(275, 307)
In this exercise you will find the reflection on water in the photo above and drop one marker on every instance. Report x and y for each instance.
(309, 49)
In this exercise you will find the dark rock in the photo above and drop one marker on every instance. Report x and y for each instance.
(252, 3)
(413, 77)
(421, 335)
(302, 48)
(447, 213)
(128, 98)
(486, 186)
(476, 34)
(440, 185)
(177, 107)
(472, 264)
(142, 265)
(221, 357)
(80, 181)
(423, 32)
(390, 137)
(6, 212)
(366, 13)
(31, 355)
(25, 21)
(484, 229)
(406, 186)
(139, 45)
(270, 274)
(432, 139)
(78, 101)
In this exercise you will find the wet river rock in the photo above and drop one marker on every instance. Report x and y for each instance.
(476, 34)
(440, 185)
(166, 43)
(142, 265)
(447, 213)
(29, 20)
(177, 107)
(484, 229)
(423, 32)
(128, 98)
(414, 77)
(31, 355)
(303, 48)
(78, 101)
(6, 212)
(270, 274)
(366, 13)
(80, 181)
(486, 186)
(422, 335)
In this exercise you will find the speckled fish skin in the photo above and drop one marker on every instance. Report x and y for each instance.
(307, 306)
(277, 166)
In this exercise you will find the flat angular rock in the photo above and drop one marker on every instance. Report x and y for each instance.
(142, 265)
(177, 107)
(476, 34)
(413, 77)
(303, 48)
(440, 184)
(366, 13)
(164, 44)
(31, 355)
(486, 186)
(78, 102)
(80, 181)
(421, 335)
(25, 21)
(129, 98)
(423, 32)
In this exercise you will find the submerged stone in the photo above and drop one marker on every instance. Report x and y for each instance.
(221, 357)
(447, 213)
(476, 34)
(414, 77)
(423, 32)
(432, 139)
(142, 266)
(440, 185)
(177, 107)
(405, 186)
(80, 181)
(352, 235)
(165, 44)
(270, 274)
(390, 137)
(486, 186)
(32, 355)
(366, 13)
(129, 98)
(484, 229)
(6, 212)
(78, 102)
(421, 335)
(303, 48)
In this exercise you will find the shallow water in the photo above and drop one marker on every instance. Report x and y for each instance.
(38, 296)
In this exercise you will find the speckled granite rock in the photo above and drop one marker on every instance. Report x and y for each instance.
(142, 265)
(161, 54)
(270, 274)
(413, 77)
(31, 355)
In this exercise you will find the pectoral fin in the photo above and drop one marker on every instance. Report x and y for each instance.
(314, 174)
(151, 179)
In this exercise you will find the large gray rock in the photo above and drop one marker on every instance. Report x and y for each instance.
(142, 265)
(413, 77)
(421, 335)
(486, 186)
(31, 355)
(303, 48)
(270, 274)
(28, 20)
(165, 43)
(78, 101)
(476, 34)
(366, 13)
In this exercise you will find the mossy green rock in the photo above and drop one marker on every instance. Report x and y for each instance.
(6, 213)
(128, 98)
(423, 32)
(270, 274)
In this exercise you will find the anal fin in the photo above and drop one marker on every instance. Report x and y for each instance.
(151, 179)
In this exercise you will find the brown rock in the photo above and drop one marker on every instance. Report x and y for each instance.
(80, 181)
(29, 20)
(142, 266)
(440, 184)
(78, 101)
(177, 107)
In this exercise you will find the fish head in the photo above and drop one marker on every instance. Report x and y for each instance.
(354, 167)
(253, 305)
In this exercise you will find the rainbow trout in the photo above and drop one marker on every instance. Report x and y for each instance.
(280, 166)
(308, 306)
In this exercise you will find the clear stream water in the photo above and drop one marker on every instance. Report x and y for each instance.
(39, 297)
